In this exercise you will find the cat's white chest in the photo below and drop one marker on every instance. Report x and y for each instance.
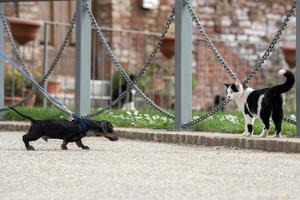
(242, 100)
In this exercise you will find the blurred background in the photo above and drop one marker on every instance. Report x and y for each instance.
(241, 29)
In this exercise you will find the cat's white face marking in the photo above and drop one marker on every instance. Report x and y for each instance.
(235, 91)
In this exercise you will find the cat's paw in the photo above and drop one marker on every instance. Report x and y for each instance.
(244, 134)
(277, 135)
(248, 134)
(263, 134)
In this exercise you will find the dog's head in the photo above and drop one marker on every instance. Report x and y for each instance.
(106, 129)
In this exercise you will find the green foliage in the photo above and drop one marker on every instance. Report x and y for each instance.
(224, 122)
(35, 112)
(20, 82)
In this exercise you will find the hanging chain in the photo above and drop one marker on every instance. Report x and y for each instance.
(53, 65)
(13, 43)
(121, 70)
(142, 72)
(207, 115)
(150, 59)
(256, 68)
(210, 44)
(61, 50)
(270, 48)
(289, 120)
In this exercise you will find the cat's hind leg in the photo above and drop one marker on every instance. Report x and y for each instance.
(265, 118)
(249, 121)
(277, 117)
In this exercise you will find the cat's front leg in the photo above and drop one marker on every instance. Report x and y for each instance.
(248, 126)
(245, 130)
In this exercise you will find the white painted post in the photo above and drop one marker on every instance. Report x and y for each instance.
(83, 60)
(183, 60)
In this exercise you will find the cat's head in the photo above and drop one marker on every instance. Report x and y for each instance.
(234, 90)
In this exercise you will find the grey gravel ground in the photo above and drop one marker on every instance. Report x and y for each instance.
(142, 170)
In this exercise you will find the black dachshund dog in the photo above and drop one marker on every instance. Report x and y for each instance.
(68, 131)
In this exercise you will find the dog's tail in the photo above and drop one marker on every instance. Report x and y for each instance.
(287, 85)
(22, 115)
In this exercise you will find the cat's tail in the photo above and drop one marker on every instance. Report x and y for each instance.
(287, 85)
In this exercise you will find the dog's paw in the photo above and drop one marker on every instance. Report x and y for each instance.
(85, 147)
(64, 147)
(30, 148)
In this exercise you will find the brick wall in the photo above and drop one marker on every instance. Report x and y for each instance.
(244, 27)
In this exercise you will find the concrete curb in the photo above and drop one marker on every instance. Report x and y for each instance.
(288, 145)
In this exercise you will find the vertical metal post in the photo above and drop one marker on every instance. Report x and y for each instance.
(45, 64)
(1, 64)
(298, 66)
(83, 60)
(183, 60)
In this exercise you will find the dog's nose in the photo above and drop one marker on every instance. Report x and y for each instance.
(112, 136)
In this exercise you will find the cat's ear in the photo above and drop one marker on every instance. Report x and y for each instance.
(238, 85)
(227, 85)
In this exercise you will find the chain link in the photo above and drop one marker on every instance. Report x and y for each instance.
(207, 115)
(210, 44)
(149, 60)
(270, 48)
(289, 120)
(256, 68)
(120, 69)
(13, 43)
(53, 65)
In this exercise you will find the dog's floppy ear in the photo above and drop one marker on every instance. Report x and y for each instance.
(103, 126)
(110, 127)
(227, 85)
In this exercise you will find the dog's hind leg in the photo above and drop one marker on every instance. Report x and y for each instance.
(30, 136)
(81, 145)
(26, 142)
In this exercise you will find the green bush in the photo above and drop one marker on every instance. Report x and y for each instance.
(14, 79)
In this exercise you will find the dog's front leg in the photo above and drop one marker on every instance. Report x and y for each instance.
(81, 145)
(64, 145)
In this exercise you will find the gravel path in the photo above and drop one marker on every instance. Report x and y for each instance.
(142, 170)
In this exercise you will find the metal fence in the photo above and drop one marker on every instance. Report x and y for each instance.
(131, 48)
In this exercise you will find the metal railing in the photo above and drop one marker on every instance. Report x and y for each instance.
(132, 47)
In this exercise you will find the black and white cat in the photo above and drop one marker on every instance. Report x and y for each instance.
(126, 103)
(261, 104)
